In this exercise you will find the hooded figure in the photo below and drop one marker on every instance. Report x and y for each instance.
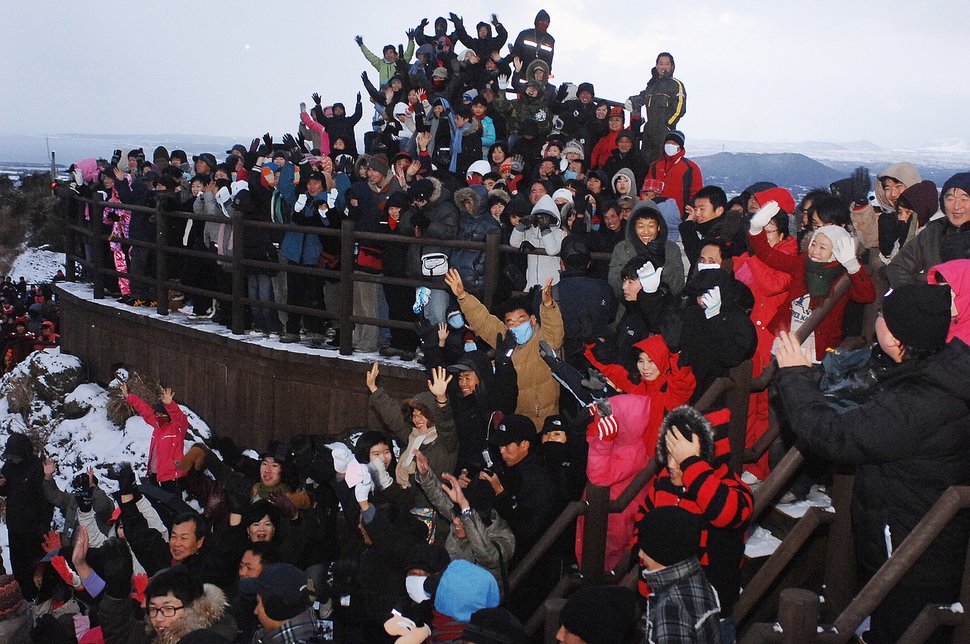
(533, 44)
(545, 233)
(464, 588)
(956, 273)
(636, 243)
(914, 208)
(717, 334)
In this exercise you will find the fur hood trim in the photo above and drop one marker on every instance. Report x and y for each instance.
(204, 612)
(467, 194)
(689, 421)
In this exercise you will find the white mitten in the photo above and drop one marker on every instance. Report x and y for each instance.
(761, 218)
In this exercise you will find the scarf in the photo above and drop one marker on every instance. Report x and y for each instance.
(456, 146)
(263, 491)
(405, 466)
(819, 279)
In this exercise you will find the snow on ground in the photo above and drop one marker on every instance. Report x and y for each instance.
(37, 265)
(91, 440)
(816, 499)
(181, 317)
(760, 543)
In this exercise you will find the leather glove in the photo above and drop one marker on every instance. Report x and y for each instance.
(861, 185)
(504, 346)
(843, 250)
(649, 278)
(285, 504)
(761, 218)
(123, 473)
(712, 302)
(116, 569)
(561, 94)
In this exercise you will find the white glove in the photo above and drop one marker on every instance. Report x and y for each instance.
(844, 252)
(222, 196)
(628, 105)
(761, 218)
(503, 81)
(363, 489)
(78, 176)
(712, 302)
(341, 456)
(649, 278)
(300, 203)
(379, 474)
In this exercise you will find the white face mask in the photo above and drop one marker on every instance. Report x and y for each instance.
(415, 588)
(670, 149)
(706, 267)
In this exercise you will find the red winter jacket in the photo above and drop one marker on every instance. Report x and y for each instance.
(828, 334)
(681, 177)
(168, 440)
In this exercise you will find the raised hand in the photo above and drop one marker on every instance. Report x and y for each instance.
(438, 385)
(454, 490)
(316, 97)
(167, 396)
(789, 351)
(547, 293)
(421, 463)
(453, 280)
(679, 447)
(49, 468)
(359, 41)
(761, 218)
(285, 504)
(372, 378)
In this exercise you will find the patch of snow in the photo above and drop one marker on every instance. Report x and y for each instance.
(776, 627)
(86, 291)
(956, 608)
(761, 543)
(37, 265)
(816, 499)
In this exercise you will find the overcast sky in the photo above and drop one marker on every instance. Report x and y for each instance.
(890, 72)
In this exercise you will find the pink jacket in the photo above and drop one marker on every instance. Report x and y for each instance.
(168, 440)
(615, 463)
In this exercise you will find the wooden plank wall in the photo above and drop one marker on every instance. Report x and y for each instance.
(250, 392)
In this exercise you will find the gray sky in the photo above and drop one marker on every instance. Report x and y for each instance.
(889, 72)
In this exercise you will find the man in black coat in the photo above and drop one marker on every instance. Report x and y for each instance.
(666, 101)
(909, 443)
(28, 512)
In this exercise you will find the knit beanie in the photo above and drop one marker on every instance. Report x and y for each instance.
(669, 534)
(960, 180)
(10, 597)
(601, 614)
(379, 163)
(676, 136)
(918, 315)
(494, 626)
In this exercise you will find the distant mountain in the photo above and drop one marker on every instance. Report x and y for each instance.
(736, 171)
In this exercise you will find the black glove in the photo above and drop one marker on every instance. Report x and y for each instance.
(420, 220)
(495, 19)
(561, 94)
(268, 140)
(457, 21)
(422, 24)
(115, 158)
(604, 353)
(425, 330)
(410, 34)
(300, 139)
(123, 473)
(504, 346)
(861, 185)
(527, 246)
(358, 97)
(359, 41)
(671, 327)
(843, 190)
(116, 568)
(290, 142)
(363, 76)
(316, 97)
(83, 495)
(318, 467)
(238, 502)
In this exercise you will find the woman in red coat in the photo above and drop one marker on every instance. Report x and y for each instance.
(169, 425)
(831, 254)
(770, 289)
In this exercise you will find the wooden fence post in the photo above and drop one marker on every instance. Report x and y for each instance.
(493, 264)
(594, 534)
(798, 615)
(161, 263)
(238, 273)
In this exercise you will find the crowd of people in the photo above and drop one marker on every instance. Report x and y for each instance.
(584, 371)
(29, 319)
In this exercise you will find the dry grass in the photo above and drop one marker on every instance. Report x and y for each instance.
(145, 388)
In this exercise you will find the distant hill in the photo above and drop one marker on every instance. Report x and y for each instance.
(736, 171)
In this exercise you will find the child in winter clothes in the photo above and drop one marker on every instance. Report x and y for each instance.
(169, 425)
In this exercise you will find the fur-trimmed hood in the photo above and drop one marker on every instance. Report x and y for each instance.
(208, 611)
(689, 421)
(467, 194)
(423, 402)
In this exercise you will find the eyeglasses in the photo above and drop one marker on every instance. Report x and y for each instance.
(166, 611)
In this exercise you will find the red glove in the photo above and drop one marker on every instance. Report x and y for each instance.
(52, 541)
(69, 576)
(139, 582)
(603, 427)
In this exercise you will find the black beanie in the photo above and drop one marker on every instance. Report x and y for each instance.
(918, 315)
(494, 626)
(669, 534)
(601, 614)
(423, 556)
